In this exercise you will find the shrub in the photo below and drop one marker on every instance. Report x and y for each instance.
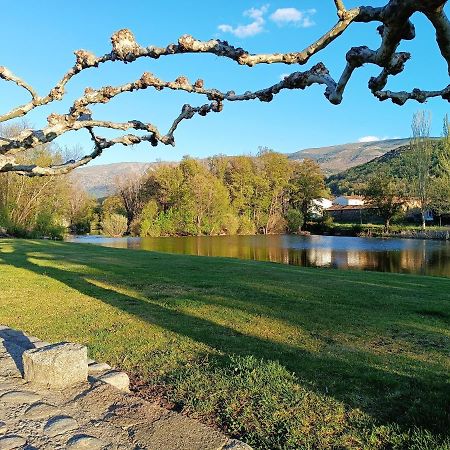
(81, 226)
(294, 219)
(246, 226)
(47, 226)
(321, 225)
(356, 229)
(114, 225)
(149, 225)
(168, 223)
(230, 224)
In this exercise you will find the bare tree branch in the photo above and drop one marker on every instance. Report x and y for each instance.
(400, 98)
(395, 26)
(340, 8)
(7, 75)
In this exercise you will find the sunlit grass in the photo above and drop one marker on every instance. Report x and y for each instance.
(281, 356)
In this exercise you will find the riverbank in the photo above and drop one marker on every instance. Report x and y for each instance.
(438, 235)
(281, 356)
(425, 257)
(376, 230)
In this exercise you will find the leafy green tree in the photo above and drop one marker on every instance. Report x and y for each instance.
(131, 190)
(294, 218)
(231, 224)
(246, 226)
(164, 185)
(114, 225)
(186, 199)
(204, 199)
(149, 225)
(113, 205)
(47, 225)
(440, 187)
(440, 196)
(274, 175)
(385, 193)
(307, 184)
(240, 175)
(218, 166)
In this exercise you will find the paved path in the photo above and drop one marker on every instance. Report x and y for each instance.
(93, 415)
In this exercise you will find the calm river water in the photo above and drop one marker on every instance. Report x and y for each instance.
(385, 255)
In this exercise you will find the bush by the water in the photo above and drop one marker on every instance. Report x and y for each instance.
(114, 225)
(294, 219)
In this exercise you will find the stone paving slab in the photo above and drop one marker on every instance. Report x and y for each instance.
(93, 415)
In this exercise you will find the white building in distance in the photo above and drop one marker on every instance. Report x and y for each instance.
(349, 200)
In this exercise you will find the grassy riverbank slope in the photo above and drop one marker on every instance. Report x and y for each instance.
(281, 356)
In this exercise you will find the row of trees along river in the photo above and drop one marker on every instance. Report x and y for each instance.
(266, 194)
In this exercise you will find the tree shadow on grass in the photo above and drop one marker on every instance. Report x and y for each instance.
(352, 376)
(16, 343)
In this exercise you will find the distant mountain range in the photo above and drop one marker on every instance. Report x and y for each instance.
(99, 180)
(337, 158)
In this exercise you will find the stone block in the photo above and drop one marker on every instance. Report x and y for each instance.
(40, 344)
(12, 442)
(234, 444)
(40, 410)
(85, 442)
(117, 379)
(98, 367)
(56, 366)
(19, 397)
(60, 425)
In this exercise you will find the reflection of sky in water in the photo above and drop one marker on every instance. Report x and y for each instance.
(356, 243)
(386, 255)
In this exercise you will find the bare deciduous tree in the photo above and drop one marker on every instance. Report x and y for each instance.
(420, 162)
(131, 190)
(395, 26)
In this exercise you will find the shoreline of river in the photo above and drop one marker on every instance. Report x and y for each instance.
(370, 231)
(428, 257)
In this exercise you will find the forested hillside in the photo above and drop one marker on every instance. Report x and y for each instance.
(337, 158)
(395, 163)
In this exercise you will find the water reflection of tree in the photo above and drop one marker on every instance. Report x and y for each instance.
(432, 258)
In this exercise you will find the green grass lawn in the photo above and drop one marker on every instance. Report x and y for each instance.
(280, 356)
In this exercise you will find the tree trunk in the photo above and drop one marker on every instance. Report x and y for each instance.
(129, 222)
(305, 215)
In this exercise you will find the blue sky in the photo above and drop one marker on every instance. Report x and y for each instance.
(39, 39)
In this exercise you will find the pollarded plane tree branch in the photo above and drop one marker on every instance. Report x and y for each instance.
(395, 26)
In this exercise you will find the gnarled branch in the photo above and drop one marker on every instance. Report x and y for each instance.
(395, 26)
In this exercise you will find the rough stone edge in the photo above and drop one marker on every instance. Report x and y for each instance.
(235, 444)
(97, 371)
